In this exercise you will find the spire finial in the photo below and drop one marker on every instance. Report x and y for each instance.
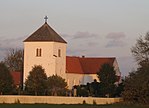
(46, 19)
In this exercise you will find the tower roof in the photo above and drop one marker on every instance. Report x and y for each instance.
(45, 33)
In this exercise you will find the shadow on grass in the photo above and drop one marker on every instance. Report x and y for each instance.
(118, 105)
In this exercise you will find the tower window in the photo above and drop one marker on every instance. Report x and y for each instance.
(59, 53)
(38, 52)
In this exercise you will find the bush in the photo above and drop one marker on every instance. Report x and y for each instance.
(56, 86)
(136, 88)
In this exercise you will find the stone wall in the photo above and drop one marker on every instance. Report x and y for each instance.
(56, 100)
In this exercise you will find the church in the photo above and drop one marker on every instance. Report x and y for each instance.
(47, 48)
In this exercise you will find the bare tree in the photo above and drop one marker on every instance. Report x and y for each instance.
(14, 60)
(141, 50)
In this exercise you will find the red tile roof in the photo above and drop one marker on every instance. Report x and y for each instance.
(73, 65)
(76, 65)
(85, 65)
(16, 77)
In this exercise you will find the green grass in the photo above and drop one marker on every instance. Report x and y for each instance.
(69, 106)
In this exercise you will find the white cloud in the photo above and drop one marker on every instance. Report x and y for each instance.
(116, 35)
(6, 44)
(116, 39)
(84, 35)
(116, 43)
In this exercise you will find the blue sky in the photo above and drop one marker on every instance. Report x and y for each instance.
(94, 28)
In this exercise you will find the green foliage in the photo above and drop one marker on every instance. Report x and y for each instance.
(6, 82)
(119, 89)
(95, 88)
(107, 77)
(56, 85)
(14, 60)
(36, 83)
(82, 91)
(136, 88)
(91, 89)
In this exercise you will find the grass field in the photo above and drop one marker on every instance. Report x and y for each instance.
(69, 106)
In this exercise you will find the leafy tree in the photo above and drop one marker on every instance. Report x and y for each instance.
(120, 89)
(136, 88)
(82, 90)
(95, 88)
(6, 81)
(90, 89)
(36, 82)
(56, 85)
(107, 77)
(14, 60)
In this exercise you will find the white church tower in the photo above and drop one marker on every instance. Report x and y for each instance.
(46, 48)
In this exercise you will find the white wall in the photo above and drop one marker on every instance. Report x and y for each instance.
(60, 61)
(74, 79)
(47, 60)
(88, 78)
(116, 68)
(56, 100)
(78, 79)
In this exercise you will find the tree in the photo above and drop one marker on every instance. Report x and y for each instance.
(107, 77)
(136, 88)
(56, 85)
(120, 89)
(36, 82)
(141, 50)
(82, 90)
(6, 81)
(95, 87)
(14, 60)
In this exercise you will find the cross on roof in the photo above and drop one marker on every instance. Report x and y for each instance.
(46, 18)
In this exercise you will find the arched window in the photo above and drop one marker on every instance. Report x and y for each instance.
(38, 52)
(59, 53)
